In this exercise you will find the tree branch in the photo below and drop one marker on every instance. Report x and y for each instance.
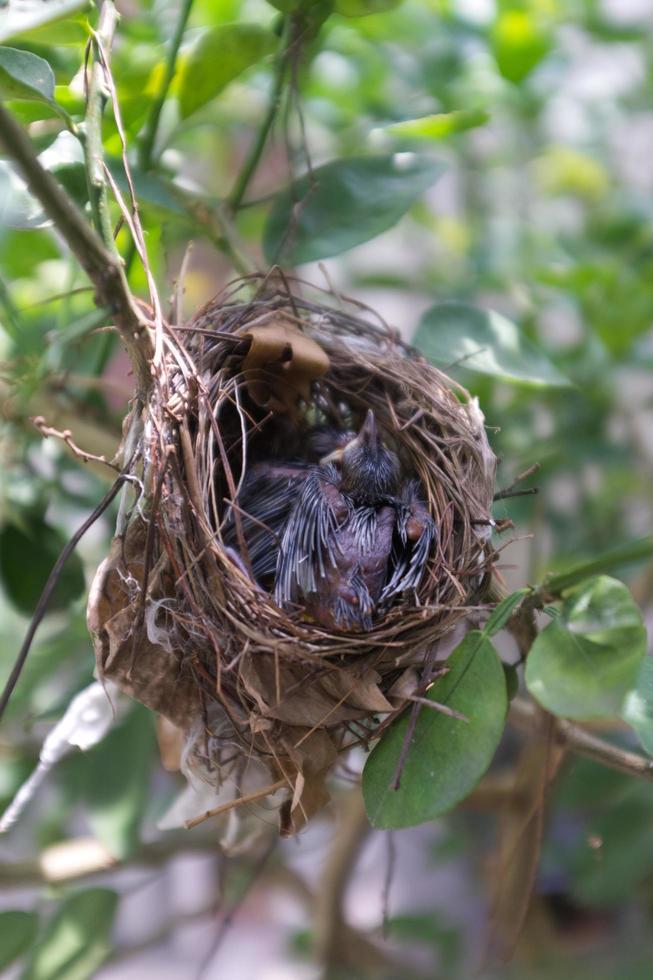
(103, 268)
(253, 158)
(523, 716)
(148, 141)
(93, 151)
(341, 862)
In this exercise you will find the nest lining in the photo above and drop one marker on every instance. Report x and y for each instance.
(247, 381)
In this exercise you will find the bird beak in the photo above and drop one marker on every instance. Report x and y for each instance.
(369, 434)
(333, 457)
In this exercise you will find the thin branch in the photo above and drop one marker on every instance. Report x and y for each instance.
(339, 867)
(148, 141)
(11, 314)
(102, 267)
(575, 738)
(96, 100)
(49, 587)
(231, 913)
(79, 858)
(66, 436)
(256, 151)
(238, 801)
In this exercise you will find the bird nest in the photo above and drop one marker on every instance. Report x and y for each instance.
(262, 391)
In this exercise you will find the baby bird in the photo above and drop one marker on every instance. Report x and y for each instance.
(355, 537)
(266, 499)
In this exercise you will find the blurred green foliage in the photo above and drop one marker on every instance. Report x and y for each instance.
(527, 269)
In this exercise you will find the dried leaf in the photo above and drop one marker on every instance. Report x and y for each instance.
(281, 364)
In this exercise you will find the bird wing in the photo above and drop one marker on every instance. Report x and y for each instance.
(308, 542)
(414, 534)
(264, 502)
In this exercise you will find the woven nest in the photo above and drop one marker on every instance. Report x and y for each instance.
(180, 623)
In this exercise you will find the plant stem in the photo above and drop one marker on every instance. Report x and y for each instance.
(146, 147)
(524, 717)
(254, 157)
(11, 315)
(93, 147)
(102, 266)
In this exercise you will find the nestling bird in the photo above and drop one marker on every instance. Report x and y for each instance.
(267, 496)
(355, 537)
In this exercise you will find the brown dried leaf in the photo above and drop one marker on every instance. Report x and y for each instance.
(281, 364)
(142, 669)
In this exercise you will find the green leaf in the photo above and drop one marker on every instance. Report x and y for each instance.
(17, 933)
(21, 16)
(18, 209)
(27, 554)
(361, 8)
(221, 54)
(519, 42)
(484, 341)
(503, 611)
(77, 940)
(638, 706)
(447, 756)
(113, 781)
(587, 660)
(150, 189)
(623, 554)
(24, 75)
(345, 203)
(438, 126)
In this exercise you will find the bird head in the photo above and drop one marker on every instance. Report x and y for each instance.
(369, 469)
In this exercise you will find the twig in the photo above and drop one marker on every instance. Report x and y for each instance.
(146, 147)
(102, 266)
(339, 867)
(231, 913)
(80, 858)
(443, 709)
(11, 314)
(49, 587)
(96, 99)
(67, 437)
(510, 491)
(391, 861)
(253, 158)
(238, 801)
(524, 717)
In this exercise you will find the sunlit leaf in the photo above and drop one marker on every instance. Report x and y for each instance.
(485, 341)
(638, 706)
(221, 54)
(438, 126)
(565, 170)
(344, 203)
(17, 932)
(20, 16)
(584, 663)
(27, 554)
(447, 756)
(361, 8)
(76, 941)
(519, 42)
(24, 75)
